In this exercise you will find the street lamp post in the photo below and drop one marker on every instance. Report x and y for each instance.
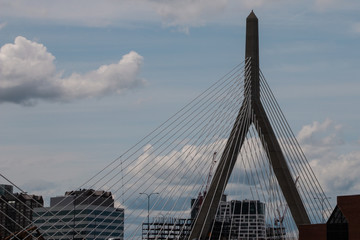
(148, 206)
(322, 199)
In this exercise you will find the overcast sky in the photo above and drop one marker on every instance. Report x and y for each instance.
(154, 56)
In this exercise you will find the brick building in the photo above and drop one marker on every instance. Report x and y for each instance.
(343, 224)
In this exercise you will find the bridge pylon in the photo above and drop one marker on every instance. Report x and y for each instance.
(251, 112)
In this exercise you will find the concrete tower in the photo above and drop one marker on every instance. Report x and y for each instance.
(251, 107)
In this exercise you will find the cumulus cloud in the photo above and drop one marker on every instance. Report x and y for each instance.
(319, 137)
(337, 171)
(28, 73)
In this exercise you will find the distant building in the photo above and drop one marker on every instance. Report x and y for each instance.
(167, 228)
(83, 214)
(234, 220)
(240, 220)
(16, 210)
(5, 189)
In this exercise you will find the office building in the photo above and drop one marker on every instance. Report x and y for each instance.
(167, 228)
(83, 214)
(236, 219)
(5, 189)
(240, 220)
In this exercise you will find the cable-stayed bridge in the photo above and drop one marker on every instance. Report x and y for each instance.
(225, 166)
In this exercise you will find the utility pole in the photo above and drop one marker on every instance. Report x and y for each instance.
(148, 206)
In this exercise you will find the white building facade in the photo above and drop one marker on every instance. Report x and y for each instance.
(242, 219)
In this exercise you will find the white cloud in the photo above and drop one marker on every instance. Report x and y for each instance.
(339, 175)
(24, 59)
(28, 73)
(309, 133)
(337, 172)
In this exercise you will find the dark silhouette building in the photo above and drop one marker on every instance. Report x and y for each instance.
(84, 197)
(16, 210)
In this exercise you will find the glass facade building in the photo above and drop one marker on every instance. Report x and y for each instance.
(85, 214)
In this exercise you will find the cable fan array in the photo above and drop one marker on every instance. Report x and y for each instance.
(172, 165)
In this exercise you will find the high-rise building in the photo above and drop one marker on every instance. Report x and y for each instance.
(240, 220)
(16, 210)
(83, 214)
(236, 219)
(166, 228)
(6, 189)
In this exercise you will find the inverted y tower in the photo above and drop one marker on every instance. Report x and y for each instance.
(251, 107)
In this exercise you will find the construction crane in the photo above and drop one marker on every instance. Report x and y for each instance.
(208, 181)
(279, 220)
(196, 205)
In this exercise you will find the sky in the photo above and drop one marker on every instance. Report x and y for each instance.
(153, 57)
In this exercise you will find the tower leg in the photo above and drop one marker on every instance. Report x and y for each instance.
(280, 166)
(203, 222)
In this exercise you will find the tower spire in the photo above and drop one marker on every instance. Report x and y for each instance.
(252, 55)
